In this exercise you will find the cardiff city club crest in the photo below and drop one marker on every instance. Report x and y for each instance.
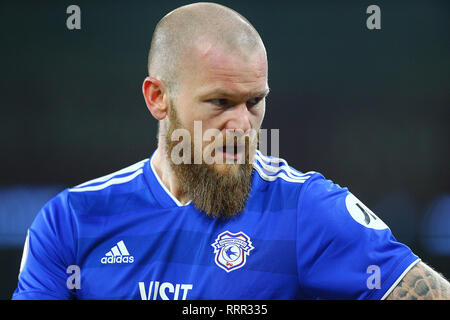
(231, 250)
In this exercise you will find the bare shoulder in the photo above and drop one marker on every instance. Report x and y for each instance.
(421, 283)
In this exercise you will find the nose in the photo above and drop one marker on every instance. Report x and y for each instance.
(239, 118)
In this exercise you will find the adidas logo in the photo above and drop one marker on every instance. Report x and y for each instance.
(118, 254)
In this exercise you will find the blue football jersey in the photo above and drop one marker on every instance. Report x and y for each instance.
(124, 236)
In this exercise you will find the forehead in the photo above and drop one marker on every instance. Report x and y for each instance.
(213, 67)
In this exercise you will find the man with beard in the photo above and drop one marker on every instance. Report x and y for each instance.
(208, 216)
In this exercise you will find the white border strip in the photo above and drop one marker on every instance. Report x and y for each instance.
(128, 169)
(26, 248)
(265, 160)
(273, 169)
(109, 183)
(400, 278)
(178, 203)
(280, 175)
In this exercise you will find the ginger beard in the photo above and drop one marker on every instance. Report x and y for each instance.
(218, 193)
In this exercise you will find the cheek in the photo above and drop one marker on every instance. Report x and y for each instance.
(258, 116)
(186, 113)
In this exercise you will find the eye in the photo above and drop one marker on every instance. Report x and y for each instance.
(253, 101)
(220, 102)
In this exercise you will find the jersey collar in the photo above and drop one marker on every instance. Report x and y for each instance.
(163, 195)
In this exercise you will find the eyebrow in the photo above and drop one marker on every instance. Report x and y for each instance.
(228, 94)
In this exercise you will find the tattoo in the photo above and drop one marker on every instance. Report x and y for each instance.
(421, 283)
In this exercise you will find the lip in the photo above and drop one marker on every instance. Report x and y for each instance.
(232, 152)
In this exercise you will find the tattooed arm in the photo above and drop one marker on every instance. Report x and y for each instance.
(421, 283)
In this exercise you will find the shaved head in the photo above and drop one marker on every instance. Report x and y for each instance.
(195, 29)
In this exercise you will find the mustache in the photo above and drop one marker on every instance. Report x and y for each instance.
(232, 140)
(236, 145)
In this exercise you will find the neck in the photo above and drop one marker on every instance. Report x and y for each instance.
(167, 176)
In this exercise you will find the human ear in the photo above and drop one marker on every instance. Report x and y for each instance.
(154, 93)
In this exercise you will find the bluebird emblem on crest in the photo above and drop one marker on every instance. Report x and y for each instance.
(231, 250)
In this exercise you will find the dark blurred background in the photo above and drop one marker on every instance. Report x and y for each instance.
(369, 109)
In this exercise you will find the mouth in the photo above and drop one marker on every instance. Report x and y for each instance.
(232, 152)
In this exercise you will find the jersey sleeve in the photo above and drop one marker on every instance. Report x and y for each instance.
(344, 250)
(48, 252)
